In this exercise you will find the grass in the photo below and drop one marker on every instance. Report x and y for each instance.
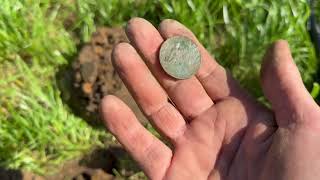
(236, 32)
(38, 132)
(316, 8)
(30, 30)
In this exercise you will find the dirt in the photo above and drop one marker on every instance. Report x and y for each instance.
(83, 85)
(100, 164)
(92, 77)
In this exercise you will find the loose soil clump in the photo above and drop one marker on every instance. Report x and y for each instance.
(92, 77)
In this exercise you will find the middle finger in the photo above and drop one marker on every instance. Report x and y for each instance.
(188, 95)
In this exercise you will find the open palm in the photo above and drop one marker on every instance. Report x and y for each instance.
(216, 130)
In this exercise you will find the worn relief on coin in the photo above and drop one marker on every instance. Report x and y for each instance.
(179, 57)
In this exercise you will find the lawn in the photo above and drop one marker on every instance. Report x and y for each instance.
(38, 132)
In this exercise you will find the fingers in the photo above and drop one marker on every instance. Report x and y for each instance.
(283, 85)
(153, 156)
(188, 95)
(217, 82)
(147, 92)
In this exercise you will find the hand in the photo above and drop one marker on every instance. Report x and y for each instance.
(215, 129)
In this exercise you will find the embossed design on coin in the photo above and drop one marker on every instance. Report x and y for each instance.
(179, 57)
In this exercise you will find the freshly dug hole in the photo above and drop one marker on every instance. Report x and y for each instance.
(92, 76)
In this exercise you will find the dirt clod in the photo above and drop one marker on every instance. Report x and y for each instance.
(93, 68)
(92, 76)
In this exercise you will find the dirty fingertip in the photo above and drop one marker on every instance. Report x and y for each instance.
(109, 107)
(281, 43)
(134, 21)
(134, 24)
(109, 104)
(166, 23)
(278, 53)
(278, 48)
(169, 28)
(120, 53)
(120, 49)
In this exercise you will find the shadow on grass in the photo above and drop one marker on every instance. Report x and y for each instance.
(113, 158)
(74, 97)
(101, 163)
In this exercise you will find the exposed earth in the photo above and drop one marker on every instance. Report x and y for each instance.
(92, 76)
(100, 164)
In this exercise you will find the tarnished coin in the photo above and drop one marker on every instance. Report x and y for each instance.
(179, 57)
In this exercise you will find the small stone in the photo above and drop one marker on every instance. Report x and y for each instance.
(77, 77)
(180, 57)
(87, 88)
(99, 50)
(88, 71)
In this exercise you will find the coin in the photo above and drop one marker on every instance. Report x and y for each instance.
(179, 57)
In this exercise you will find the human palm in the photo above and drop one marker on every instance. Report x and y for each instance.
(215, 129)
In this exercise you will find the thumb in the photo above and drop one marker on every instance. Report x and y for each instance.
(283, 86)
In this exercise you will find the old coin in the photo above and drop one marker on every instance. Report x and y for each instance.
(179, 57)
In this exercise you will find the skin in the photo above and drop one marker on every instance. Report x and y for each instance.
(215, 129)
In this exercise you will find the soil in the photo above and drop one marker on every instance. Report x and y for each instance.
(83, 85)
(97, 165)
(92, 77)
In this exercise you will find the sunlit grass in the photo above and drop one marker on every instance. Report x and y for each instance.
(236, 32)
(29, 30)
(38, 133)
